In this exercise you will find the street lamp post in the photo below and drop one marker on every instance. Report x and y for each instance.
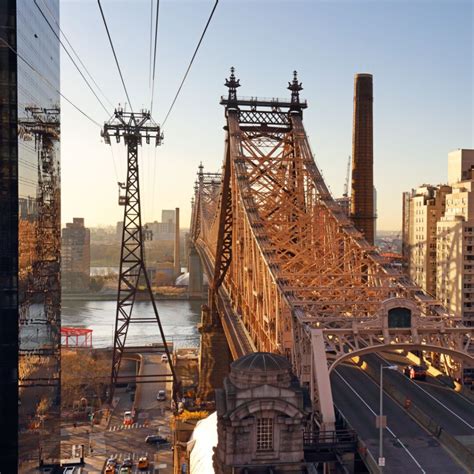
(382, 422)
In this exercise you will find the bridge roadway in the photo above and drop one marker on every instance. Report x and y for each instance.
(447, 408)
(408, 448)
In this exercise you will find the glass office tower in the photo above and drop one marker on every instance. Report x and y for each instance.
(29, 233)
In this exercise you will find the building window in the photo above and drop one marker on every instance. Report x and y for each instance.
(264, 434)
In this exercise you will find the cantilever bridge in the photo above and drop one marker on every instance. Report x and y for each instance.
(288, 271)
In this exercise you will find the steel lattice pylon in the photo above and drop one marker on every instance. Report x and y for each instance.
(132, 127)
(288, 271)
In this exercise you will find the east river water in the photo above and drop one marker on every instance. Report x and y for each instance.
(178, 317)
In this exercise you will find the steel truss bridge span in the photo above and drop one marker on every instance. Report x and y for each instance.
(288, 272)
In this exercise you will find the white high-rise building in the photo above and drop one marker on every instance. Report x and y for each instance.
(455, 239)
(422, 209)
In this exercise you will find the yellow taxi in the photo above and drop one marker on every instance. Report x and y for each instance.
(110, 469)
(143, 463)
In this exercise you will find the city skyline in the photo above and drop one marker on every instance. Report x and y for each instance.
(422, 110)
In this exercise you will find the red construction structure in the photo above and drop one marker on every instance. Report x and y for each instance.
(76, 337)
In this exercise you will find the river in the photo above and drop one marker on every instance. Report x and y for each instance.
(178, 317)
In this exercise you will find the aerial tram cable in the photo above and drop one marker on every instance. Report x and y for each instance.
(115, 55)
(107, 112)
(9, 46)
(154, 56)
(76, 54)
(190, 64)
(151, 40)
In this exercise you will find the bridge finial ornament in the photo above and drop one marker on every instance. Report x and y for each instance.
(232, 83)
(295, 87)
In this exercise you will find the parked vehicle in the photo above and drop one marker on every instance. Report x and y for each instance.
(164, 358)
(156, 439)
(128, 462)
(161, 395)
(415, 372)
(125, 470)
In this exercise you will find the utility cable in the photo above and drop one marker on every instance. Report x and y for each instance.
(154, 56)
(49, 83)
(190, 63)
(72, 59)
(115, 55)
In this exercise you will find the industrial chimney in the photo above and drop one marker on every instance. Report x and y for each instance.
(362, 196)
(177, 263)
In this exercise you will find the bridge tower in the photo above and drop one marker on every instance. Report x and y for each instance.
(132, 128)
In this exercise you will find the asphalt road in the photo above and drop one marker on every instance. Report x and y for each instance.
(450, 410)
(152, 418)
(408, 448)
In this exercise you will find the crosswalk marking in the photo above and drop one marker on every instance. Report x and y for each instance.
(127, 427)
(122, 456)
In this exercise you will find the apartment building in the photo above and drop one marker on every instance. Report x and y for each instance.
(455, 239)
(422, 209)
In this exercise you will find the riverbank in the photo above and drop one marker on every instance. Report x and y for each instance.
(113, 297)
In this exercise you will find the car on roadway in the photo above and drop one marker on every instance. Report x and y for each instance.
(161, 395)
(110, 469)
(156, 439)
(143, 463)
(127, 418)
(164, 358)
(415, 372)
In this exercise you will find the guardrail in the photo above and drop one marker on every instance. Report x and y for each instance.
(340, 438)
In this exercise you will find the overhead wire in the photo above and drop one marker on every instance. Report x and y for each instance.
(190, 63)
(76, 54)
(115, 55)
(151, 36)
(72, 59)
(49, 83)
(154, 56)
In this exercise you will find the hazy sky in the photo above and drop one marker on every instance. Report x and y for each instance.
(420, 53)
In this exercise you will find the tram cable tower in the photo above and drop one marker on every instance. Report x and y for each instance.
(133, 128)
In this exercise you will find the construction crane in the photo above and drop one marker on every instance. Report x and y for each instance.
(348, 177)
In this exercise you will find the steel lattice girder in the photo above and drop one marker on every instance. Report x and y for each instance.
(300, 272)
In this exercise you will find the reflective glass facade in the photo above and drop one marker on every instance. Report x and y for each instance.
(29, 233)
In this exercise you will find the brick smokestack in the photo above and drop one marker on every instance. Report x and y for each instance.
(362, 196)
(177, 264)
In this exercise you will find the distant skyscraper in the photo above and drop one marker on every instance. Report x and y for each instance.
(168, 216)
(362, 195)
(76, 256)
(29, 233)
